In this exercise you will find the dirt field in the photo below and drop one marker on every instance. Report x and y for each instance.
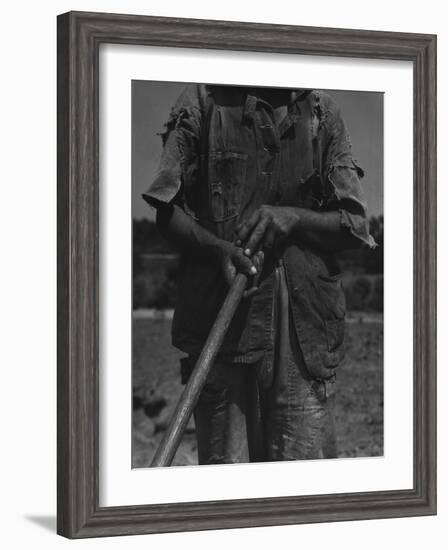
(156, 388)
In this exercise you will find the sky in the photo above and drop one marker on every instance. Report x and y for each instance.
(152, 101)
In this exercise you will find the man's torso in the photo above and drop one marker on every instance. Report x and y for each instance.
(259, 149)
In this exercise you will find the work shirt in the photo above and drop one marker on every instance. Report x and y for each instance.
(228, 150)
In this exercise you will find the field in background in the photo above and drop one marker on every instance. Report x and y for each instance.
(156, 274)
(156, 389)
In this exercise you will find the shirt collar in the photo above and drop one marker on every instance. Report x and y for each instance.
(290, 118)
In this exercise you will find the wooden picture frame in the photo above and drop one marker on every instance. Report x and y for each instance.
(79, 37)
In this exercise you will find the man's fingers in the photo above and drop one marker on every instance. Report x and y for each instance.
(237, 262)
(256, 236)
(229, 272)
(243, 230)
(269, 239)
(258, 260)
(244, 265)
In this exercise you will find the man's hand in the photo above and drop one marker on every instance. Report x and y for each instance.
(232, 261)
(189, 237)
(268, 226)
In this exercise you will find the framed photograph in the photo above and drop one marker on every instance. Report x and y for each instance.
(246, 274)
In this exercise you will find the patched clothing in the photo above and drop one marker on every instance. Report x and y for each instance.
(229, 150)
(269, 410)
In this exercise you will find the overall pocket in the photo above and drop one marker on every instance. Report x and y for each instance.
(333, 313)
(226, 175)
(332, 297)
(335, 329)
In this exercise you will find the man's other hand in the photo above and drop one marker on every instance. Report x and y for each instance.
(267, 227)
(232, 260)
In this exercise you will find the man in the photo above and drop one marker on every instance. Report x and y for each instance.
(261, 181)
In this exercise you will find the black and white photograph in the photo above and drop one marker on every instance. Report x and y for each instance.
(222, 235)
(257, 314)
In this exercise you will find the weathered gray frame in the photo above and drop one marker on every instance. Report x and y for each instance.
(79, 37)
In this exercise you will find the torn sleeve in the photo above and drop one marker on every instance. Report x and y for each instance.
(358, 227)
(341, 174)
(178, 162)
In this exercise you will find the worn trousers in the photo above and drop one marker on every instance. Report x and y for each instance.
(268, 410)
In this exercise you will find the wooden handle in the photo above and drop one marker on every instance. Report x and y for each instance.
(173, 435)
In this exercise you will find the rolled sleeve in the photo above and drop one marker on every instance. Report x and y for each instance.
(177, 166)
(358, 227)
(167, 181)
(347, 197)
(342, 174)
